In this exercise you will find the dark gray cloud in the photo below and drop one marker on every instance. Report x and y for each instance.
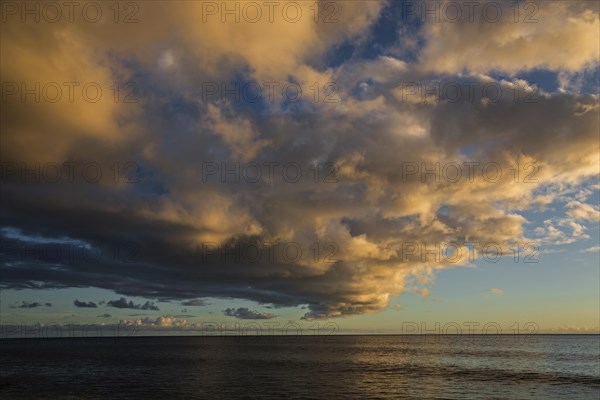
(245, 313)
(194, 302)
(83, 304)
(105, 315)
(28, 304)
(123, 303)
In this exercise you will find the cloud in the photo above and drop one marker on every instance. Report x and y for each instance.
(563, 37)
(165, 321)
(194, 302)
(593, 249)
(555, 231)
(245, 313)
(369, 265)
(123, 303)
(582, 211)
(105, 315)
(84, 304)
(27, 304)
(496, 291)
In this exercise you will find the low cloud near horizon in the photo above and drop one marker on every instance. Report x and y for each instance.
(84, 304)
(30, 304)
(245, 313)
(123, 303)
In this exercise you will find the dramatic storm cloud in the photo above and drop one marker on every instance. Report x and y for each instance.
(336, 204)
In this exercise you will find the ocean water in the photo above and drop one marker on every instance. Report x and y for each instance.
(303, 367)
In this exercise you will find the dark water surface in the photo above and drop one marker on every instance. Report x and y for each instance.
(302, 367)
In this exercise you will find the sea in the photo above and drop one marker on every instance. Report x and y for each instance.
(303, 367)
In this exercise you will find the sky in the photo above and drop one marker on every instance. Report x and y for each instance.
(190, 167)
